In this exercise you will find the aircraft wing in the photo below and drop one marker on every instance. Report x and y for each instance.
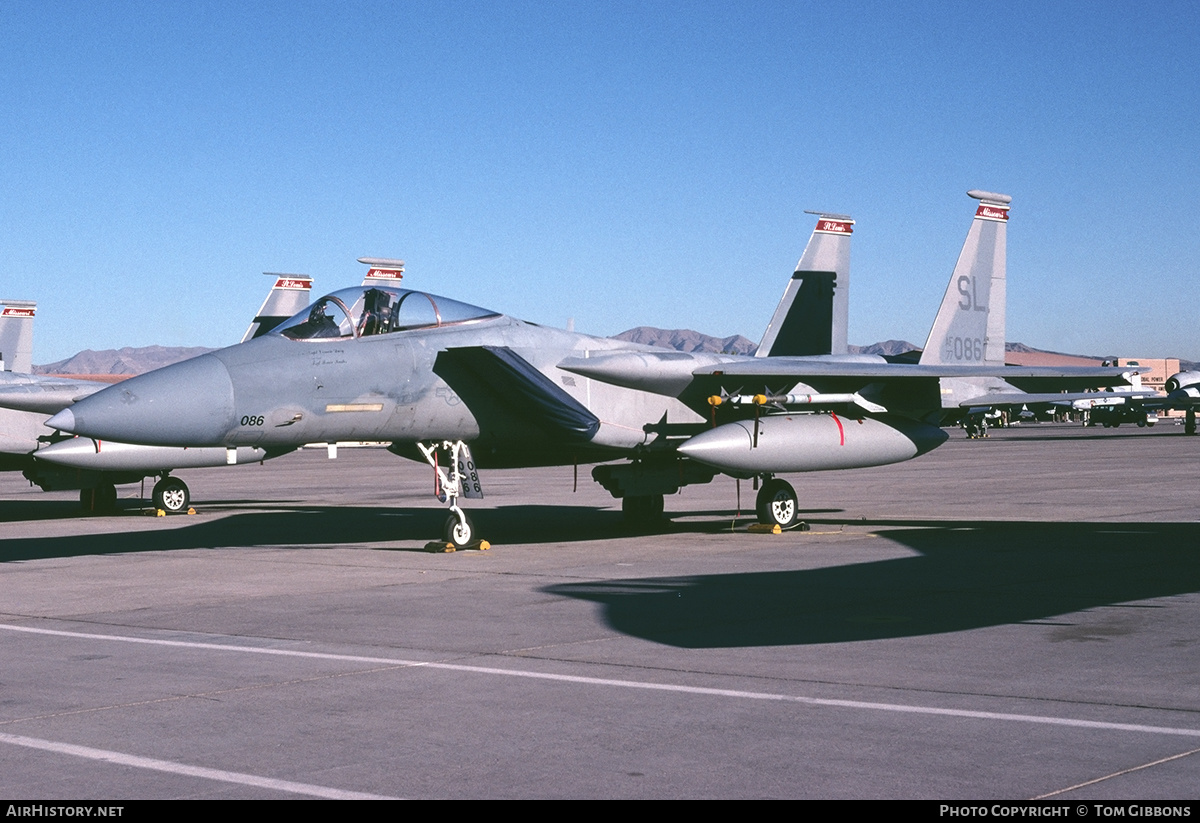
(45, 394)
(896, 386)
(800, 368)
(1061, 398)
(674, 373)
(899, 387)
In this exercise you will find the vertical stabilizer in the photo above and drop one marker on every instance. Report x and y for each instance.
(16, 335)
(382, 271)
(287, 297)
(811, 317)
(969, 327)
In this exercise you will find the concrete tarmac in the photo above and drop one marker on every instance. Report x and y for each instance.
(1010, 618)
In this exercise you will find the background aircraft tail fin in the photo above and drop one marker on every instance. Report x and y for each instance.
(382, 271)
(288, 296)
(811, 317)
(16, 335)
(969, 327)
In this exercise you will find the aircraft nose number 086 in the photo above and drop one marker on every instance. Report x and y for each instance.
(252, 420)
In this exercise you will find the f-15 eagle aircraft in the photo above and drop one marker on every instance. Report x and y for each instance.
(463, 387)
(94, 466)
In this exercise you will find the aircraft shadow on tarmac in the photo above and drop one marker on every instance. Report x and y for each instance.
(315, 527)
(967, 575)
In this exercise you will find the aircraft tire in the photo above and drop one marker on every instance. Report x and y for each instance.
(456, 533)
(99, 500)
(171, 495)
(777, 504)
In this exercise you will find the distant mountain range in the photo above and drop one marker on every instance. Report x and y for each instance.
(687, 340)
(121, 361)
(694, 341)
(129, 361)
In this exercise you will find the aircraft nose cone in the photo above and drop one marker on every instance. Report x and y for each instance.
(63, 421)
(187, 404)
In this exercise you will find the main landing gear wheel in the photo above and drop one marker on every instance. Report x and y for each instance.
(171, 495)
(777, 504)
(459, 532)
(642, 509)
(100, 500)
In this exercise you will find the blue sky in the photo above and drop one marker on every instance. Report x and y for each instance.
(617, 163)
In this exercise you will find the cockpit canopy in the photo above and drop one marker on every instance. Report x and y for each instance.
(369, 310)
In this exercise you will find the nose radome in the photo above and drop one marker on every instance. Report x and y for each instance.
(187, 404)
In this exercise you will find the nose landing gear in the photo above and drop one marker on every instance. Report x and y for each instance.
(171, 495)
(457, 479)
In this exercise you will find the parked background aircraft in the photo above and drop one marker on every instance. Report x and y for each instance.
(94, 466)
(432, 375)
(1183, 392)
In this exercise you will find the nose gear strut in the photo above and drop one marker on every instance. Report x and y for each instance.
(457, 478)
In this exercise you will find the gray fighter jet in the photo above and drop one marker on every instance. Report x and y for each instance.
(19, 430)
(463, 387)
(96, 466)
